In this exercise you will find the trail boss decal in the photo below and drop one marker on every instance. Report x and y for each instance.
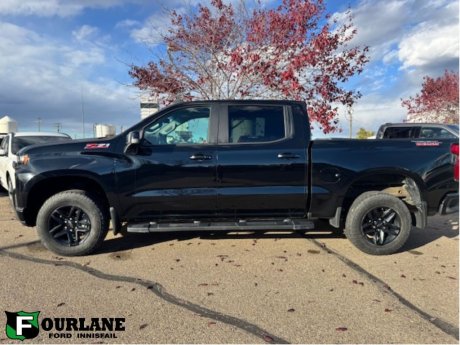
(95, 146)
(427, 143)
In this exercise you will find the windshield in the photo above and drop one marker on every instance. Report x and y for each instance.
(21, 142)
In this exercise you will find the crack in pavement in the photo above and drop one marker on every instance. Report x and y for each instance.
(19, 245)
(159, 291)
(444, 326)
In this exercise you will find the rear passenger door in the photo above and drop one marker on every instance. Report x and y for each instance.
(261, 166)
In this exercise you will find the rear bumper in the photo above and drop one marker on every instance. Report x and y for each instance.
(449, 204)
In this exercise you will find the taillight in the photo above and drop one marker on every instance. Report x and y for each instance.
(454, 151)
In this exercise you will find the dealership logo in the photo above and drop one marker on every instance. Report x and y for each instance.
(21, 325)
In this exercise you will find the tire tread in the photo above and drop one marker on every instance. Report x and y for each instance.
(352, 225)
(93, 203)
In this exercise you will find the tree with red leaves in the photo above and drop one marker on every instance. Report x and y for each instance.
(294, 51)
(437, 102)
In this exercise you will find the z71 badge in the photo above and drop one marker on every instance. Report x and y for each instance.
(94, 146)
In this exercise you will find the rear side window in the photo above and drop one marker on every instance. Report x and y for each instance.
(436, 133)
(399, 132)
(255, 124)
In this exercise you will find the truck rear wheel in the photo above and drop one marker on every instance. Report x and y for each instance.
(378, 223)
(72, 223)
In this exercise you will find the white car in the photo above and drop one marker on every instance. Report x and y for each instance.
(12, 143)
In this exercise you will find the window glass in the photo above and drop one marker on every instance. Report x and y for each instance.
(4, 144)
(436, 133)
(253, 124)
(399, 132)
(182, 126)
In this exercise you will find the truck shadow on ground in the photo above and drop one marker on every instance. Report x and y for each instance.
(133, 241)
(418, 238)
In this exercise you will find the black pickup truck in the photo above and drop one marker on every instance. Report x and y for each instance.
(232, 166)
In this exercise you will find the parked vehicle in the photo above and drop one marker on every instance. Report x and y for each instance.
(232, 166)
(417, 131)
(12, 143)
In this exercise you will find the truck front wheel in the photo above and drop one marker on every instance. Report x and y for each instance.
(72, 223)
(378, 223)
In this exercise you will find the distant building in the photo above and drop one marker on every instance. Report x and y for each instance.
(102, 130)
(7, 125)
(149, 105)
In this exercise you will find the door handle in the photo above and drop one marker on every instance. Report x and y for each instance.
(200, 157)
(287, 155)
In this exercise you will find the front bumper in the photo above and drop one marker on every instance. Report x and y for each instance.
(20, 215)
(17, 201)
(449, 204)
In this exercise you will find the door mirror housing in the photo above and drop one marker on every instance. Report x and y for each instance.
(132, 142)
(134, 137)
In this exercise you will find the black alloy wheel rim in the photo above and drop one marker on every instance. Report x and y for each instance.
(69, 225)
(381, 226)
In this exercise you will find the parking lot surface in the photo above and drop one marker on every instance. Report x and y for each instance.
(240, 288)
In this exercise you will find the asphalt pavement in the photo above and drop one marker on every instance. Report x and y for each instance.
(239, 287)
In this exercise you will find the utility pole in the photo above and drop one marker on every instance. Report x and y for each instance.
(350, 120)
(58, 126)
(39, 123)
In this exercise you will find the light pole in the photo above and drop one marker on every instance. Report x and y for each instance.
(350, 120)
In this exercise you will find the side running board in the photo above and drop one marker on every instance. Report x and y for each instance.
(242, 225)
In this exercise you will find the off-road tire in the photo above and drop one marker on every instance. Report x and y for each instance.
(364, 204)
(89, 204)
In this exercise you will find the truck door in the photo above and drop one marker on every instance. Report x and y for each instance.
(262, 161)
(176, 165)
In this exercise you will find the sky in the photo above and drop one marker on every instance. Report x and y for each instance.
(67, 61)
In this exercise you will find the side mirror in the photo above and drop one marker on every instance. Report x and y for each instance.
(133, 138)
(132, 142)
(3, 152)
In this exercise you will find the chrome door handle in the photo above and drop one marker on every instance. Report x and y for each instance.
(287, 155)
(200, 157)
